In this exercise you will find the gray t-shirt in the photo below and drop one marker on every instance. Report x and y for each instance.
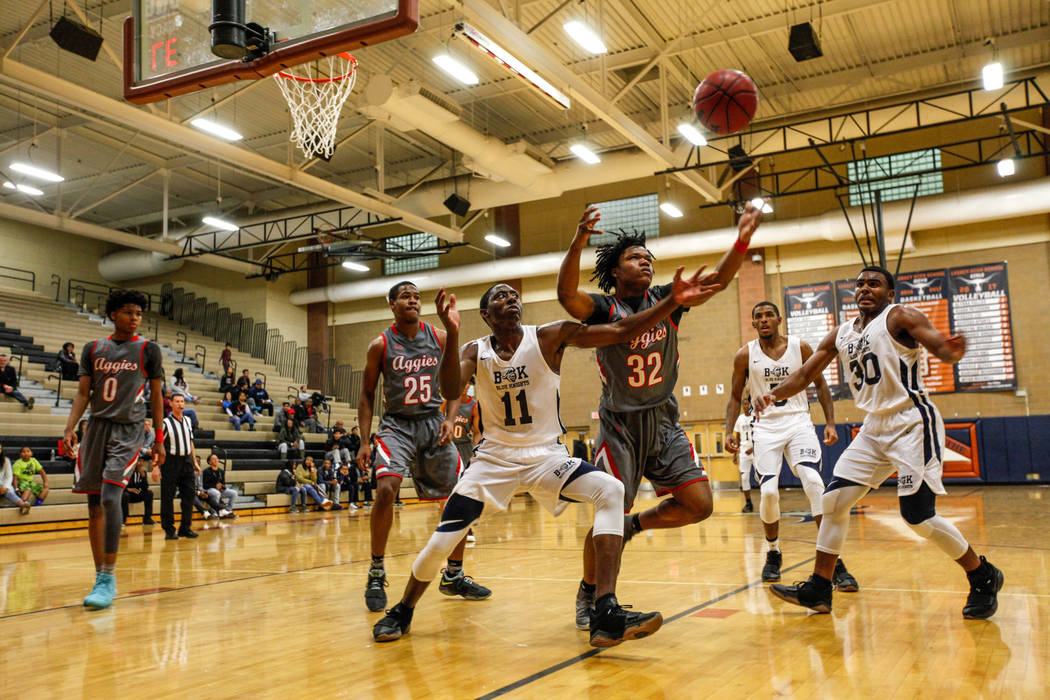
(119, 371)
(410, 372)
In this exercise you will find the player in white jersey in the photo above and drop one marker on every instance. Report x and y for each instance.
(517, 381)
(745, 452)
(785, 430)
(902, 432)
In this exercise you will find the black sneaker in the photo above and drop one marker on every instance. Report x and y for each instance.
(462, 585)
(584, 608)
(771, 571)
(748, 508)
(375, 596)
(985, 583)
(612, 624)
(813, 593)
(394, 624)
(843, 580)
(188, 533)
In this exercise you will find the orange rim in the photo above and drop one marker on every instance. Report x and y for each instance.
(345, 55)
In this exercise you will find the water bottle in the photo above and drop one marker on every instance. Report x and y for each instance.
(52, 454)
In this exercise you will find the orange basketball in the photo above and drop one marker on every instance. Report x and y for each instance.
(725, 102)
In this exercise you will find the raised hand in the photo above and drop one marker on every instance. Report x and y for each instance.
(585, 228)
(446, 310)
(691, 290)
(748, 222)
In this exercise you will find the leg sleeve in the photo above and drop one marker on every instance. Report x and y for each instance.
(604, 491)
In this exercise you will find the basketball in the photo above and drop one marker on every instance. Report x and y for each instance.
(725, 102)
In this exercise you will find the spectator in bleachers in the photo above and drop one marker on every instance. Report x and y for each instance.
(228, 382)
(337, 448)
(290, 436)
(326, 476)
(67, 361)
(7, 487)
(312, 421)
(286, 483)
(202, 500)
(214, 479)
(283, 416)
(178, 383)
(24, 469)
(354, 440)
(9, 384)
(306, 478)
(347, 480)
(226, 359)
(240, 413)
(262, 400)
(244, 382)
(137, 491)
(304, 394)
(146, 453)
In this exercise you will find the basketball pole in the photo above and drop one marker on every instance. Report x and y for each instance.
(880, 236)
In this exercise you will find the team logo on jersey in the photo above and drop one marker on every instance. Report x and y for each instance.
(509, 375)
(401, 363)
(650, 337)
(778, 372)
(858, 348)
(109, 367)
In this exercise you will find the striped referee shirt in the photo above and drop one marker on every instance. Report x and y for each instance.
(178, 435)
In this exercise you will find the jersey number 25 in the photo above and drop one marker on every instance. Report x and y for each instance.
(417, 390)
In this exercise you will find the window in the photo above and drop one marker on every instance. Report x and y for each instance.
(640, 213)
(895, 176)
(411, 241)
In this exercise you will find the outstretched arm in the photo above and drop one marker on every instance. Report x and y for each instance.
(729, 264)
(448, 371)
(579, 304)
(373, 368)
(831, 436)
(914, 323)
(804, 376)
(736, 390)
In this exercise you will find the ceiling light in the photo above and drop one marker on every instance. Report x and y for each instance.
(585, 37)
(220, 223)
(671, 210)
(24, 189)
(992, 76)
(507, 59)
(216, 129)
(584, 153)
(456, 69)
(692, 134)
(497, 240)
(38, 173)
(763, 205)
(1005, 167)
(351, 265)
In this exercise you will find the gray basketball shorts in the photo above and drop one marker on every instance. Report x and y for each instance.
(108, 452)
(408, 447)
(466, 451)
(647, 443)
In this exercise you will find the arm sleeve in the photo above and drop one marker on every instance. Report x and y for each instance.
(153, 361)
(85, 360)
(602, 307)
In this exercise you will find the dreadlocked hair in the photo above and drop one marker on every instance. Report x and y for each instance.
(607, 257)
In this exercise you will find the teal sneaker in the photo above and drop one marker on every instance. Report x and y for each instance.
(102, 595)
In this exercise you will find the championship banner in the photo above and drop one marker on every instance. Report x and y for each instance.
(980, 310)
(928, 292)
(810, 313)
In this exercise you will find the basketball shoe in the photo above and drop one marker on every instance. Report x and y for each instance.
(375, 596)
(584, 608)
(814, 593)
(462, 585)
(985, 582)
(771, 571)
(843, 579)
(394, 624)
(102, 595)
(612, 624)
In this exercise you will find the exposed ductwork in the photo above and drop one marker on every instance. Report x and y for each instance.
(123, 265)
(956, 209)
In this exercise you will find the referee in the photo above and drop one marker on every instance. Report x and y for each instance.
(177, 471)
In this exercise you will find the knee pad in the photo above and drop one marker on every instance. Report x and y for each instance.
(111, 495)
(459, 513)
(605, 492)
(769, 505)
(919, 507)
(812, 485)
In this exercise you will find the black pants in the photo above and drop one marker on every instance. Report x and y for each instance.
(363, 488)
(146, 497)
(176, 474)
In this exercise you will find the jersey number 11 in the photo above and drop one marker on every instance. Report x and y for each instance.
(523, 406)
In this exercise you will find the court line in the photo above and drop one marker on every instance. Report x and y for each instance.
(588, 654)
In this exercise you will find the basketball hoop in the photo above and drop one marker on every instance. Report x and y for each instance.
(315, 103)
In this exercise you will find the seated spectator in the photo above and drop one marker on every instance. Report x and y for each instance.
(9, 384)
(23, 470)
(227, 382)
(353, 441)
(146, 453)
(67, 361)
(283, 416)
(304, 394)
(300, 412)
(7, 487)
(226, 359)
(286, 483)
(312, 421)
(326, 477)
(203, 501)
(306, 478)
(178, 383)
(137, 491)
(259, 395)
(244, 382)
(240, 413)
(214, 480)
(336, 448)
(290, 437)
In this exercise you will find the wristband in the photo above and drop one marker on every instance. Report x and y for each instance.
(159, 434)
(740, 247)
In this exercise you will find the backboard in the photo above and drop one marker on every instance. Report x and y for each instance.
(167, 45)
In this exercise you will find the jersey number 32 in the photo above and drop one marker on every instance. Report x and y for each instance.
(645, 369)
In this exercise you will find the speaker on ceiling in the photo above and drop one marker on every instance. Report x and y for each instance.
(457, 205)
(76, 38)
(803, 43)
(738, 158)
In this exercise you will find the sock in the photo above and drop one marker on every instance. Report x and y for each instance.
(453, 568)
(636, 524)
(377, 562)
(982, 572)
(588, 587)
(774, 544)
(107, 568)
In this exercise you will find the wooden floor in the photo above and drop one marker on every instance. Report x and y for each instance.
(274, 607)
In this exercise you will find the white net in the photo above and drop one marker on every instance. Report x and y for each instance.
(316, 101)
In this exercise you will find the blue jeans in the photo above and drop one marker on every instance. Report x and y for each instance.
(239, 421)
(12, 495)
(311, 491)
(226, 496)
(296, 493)
(17, 396)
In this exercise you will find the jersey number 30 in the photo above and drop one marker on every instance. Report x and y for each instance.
(637, 365)
(417, 390)
(866, 370)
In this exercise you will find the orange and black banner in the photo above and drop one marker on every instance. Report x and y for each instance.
(809, 310)
(980, 310)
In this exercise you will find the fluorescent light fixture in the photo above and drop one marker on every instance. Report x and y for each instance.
(585, 37)
(992, 76)
(671, 210)
(1005, 167)
(220, 223)
(38, 173)
(456, 69)
(507, 59)
(692, 134)
(763, 205)
(497, 240)
(351, 265)
(216, 129)
(585, 154)
(24, 189)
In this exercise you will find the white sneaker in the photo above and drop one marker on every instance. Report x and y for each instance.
(223, 513)
(353, 506)
(470, 538)
(207, 514)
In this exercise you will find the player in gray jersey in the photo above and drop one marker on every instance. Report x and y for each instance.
(466, 432)
(113, 375)
(638, 431)
(414, 436)
(902, 432)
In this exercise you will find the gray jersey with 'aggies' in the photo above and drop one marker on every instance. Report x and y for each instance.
(463, 430)
(642, 373)
(119, 370)
(410, 372)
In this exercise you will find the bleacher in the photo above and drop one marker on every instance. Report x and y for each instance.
(36, 329)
